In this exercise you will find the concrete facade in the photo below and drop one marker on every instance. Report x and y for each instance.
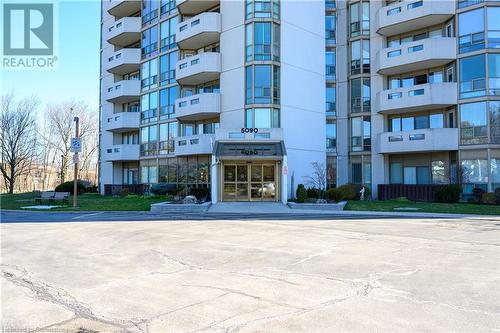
(374, 93)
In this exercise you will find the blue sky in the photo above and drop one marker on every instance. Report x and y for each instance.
(77, 75)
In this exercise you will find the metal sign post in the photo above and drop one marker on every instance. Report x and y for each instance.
(77, 147)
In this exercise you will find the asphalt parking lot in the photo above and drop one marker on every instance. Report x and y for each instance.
(343, 275)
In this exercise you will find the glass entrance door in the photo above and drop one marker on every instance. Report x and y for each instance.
(249, 182)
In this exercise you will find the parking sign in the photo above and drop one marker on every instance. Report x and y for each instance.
(76, 145)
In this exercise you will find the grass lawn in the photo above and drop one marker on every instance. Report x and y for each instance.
(86, 202)
(427, 207)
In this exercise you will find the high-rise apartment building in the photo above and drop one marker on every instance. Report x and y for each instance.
(244, 96)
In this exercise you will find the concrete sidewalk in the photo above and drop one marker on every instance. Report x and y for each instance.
(250, 208)
(278, 208)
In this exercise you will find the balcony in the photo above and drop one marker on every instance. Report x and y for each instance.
(429, 96)
(124, 91)
(418, 141)
(422, 54)
(197, 107)
(193, 7)
(201, 144)
(122, 153)
(122, 8)
(122, 122)
(123, 61)
(199, 31)
(125, 31)
(408, 16)
(203, 67)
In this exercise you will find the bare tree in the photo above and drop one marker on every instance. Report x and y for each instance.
(317, 179)
(60, 130)
(17, 138)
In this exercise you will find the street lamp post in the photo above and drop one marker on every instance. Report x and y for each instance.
(75, 181)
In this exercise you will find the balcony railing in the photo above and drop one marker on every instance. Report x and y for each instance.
(194, 145)
(125, 31)
(201, 68)
(421, 140)
(197, 107)
(122, 153)
(123, 61)
(421, 54)
(408, 16)
(199, 31)
(427, 96)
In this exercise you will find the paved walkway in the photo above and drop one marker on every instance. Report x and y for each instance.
(250, 207)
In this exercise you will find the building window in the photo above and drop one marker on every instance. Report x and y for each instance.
(331, 99)
(331, 135)
(472, 76)
(149, 106)
(439, 173)
(167, 7)
(493, 13)
(262, 41)
(262, 9)
(262, 84)
(471, 30)
(149, 74)
(330, 29)
(262, 118)
(149, 12)
(149, 42)
(168, 133)
(148, 140)
(330, 65)
(495, 173)
(167, 34)
(167, 102)
(396, 173)
(360, 95)
(473, 123)
(474, 174)
(356, 173)
(494, 73)
(167, 68)
(360, 19)
(360, 134)
(360, 57)
(494, 111)
(331, 171)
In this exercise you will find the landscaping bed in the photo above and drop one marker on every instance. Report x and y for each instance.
(423, 207)
(88, 202)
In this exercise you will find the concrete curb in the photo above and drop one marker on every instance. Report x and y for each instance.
(167, 207)
(318, 206)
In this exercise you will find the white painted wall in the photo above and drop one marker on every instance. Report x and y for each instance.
(303, 86)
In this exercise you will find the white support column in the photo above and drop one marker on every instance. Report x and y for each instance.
(214, 179)
(284, 182)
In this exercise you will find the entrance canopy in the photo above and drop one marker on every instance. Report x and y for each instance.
(247, 150)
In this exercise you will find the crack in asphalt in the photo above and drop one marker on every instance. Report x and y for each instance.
(58, 296)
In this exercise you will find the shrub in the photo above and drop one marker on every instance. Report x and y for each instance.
(200, 193)
(334, 194)
(163, 188)
(312, 193)
(124, 192)
(477, 194)
(401, 199)
(347, 192)
(449, 193)
(68, 187)
(301, 193)
(489, 198)
(92, 189)
(497, 195)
